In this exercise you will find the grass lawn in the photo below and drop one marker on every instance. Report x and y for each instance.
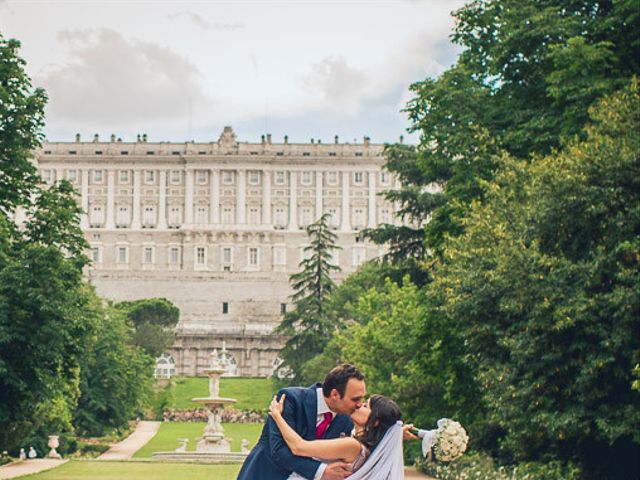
(251, 393)
(96, 470)
(166, 440)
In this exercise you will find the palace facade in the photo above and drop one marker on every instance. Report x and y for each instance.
(218, 228)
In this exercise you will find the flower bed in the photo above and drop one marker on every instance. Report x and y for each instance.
(200, 415)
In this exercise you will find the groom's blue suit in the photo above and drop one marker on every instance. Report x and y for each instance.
(271, 459)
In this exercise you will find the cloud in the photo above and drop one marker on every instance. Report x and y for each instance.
(112, 81)
(201, 22)
(338, 83)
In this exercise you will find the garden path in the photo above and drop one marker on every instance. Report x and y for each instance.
(126, 448)
(27, 467)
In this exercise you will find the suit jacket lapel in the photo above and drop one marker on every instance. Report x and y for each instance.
(312, 411)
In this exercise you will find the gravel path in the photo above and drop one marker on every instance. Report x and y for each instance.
(126, 448)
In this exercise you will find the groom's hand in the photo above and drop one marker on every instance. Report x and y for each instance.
(337, 471)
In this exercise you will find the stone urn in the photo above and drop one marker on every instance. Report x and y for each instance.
(53, 443)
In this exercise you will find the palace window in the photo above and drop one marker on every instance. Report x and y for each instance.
(384, 177)
(225, 308)
(227, 215)
(165, 366)
(174, 255)
(149, 177)
(385, 216)
(227, 177)
(358, 218)
(175, 177)
(358, 177)
(72, 175)
(96, 254)
(283, 308)
(175, 216)
(306, 216)
(149, 217)
(280, 178)
(254, 216)
(123, 255)
(334, 217)
(97, 216)
(147, 255)
(124, 176)
(254, 177)
(201, 215)
(122, 216)
(227, 258)
(252, 260)
(332, 178)
(201, 257)
(97, 176)
(201, 177)
(280, 217)
(305, 178)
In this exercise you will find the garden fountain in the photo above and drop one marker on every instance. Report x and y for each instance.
(212, 446)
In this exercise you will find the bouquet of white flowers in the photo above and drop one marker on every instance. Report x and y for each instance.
(448, 441)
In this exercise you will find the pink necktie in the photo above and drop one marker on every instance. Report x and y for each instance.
(322, 427)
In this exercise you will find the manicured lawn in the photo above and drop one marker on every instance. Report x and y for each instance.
(251, 393)
(95, 470)
(166, 440)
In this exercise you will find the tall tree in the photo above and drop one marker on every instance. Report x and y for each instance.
(43, 327)
(153, 321)
(308, 327)
(525, 79)
(544, 288)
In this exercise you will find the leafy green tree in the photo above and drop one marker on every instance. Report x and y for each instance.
(153, 321)
(116, 379)
(526, 76)
(544, 286)
(308, 326)
(43, 327)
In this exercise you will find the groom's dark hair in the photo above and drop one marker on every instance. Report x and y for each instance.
(339, 377)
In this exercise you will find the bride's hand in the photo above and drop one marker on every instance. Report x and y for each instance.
(276, 407)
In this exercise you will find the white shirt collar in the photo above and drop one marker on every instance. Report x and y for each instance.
(322, 405)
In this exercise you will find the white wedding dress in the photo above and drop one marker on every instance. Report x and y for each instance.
(386, 462)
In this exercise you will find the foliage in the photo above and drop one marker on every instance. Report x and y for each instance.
(116, 376)
(479, 466)
(153, 321)
(308, 327)
(21, 123)
(545, 285)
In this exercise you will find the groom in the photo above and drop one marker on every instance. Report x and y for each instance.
(320, 411)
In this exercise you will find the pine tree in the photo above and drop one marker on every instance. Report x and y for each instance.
(308, 326)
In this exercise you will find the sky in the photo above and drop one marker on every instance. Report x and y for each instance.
(182, 70)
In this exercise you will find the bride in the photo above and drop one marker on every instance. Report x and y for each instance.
(375, 449)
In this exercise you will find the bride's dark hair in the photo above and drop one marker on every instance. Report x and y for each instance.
(384, 414)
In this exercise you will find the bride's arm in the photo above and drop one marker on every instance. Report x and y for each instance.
(346, 448)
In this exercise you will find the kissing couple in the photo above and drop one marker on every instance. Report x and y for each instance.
(329, 432)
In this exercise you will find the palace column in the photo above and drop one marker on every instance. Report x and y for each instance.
(319, 206)
(109, 223)
(84, 196)
(188, 198)
(372, 200)
(266, 197)
(293, 201)
(135, 222)
(345, 224)
(162, 201)
(214, 197)
(241, 198)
